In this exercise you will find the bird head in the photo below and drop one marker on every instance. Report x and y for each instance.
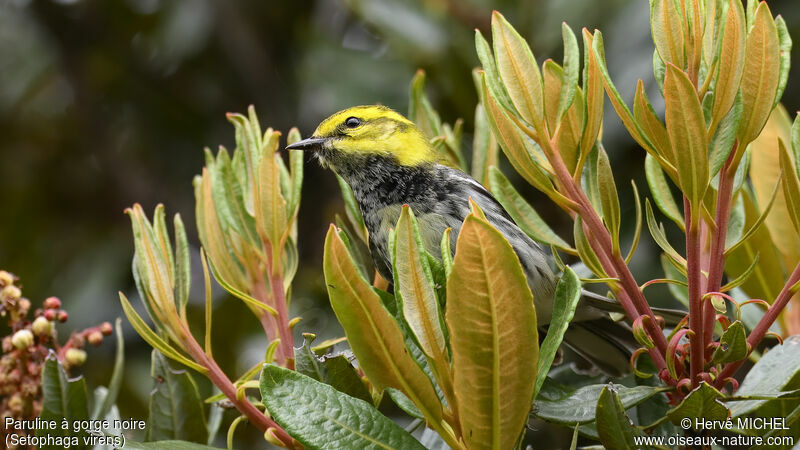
(361, 131)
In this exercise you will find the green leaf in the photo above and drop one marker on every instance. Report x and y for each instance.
(571, 70)
(484, 147)
(608, 197)
(523, 213)
(721, 144)
(662, 195)
(565, 300)
(761, 75)
(493, 336)
(420, 110)
(769, 376)
(578, 406)
(416, 296)
(343, 377)
(153, 339)
(687, 131)
(732, 344)
(785, 45)
(102, 408)
(404, 403)
(493, 82)
(519, 72)
(791, 186)
(650, 124)
(620, 107)
(730, 63)
(374, 336)
(593, 92)
(183, 266)
(62, 398)
(657, 231)
(414, 287)
(666, 21)
(319, 416)
(306, 361)
(585, 251)
(613, 425)
(176, 409)
(702, 403)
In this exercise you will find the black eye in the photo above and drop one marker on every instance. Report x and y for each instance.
(352, 122)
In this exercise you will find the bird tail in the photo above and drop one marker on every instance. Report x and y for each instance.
(603, 343)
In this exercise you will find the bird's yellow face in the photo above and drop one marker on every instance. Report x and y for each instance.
(371, 130)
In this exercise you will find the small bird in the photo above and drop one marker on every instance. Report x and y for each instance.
(388, 162)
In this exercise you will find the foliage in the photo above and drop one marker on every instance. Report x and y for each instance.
(455, 342)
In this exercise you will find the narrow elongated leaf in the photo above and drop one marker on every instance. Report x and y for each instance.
(785, 44)
(176, 409)
(565, 300)
(686, 128)
(321, 417)
(657, 231)
(553, 80)
(420, 110)
(593, 93)
(414, 290)
(662, 195)
(519, 71)
(183, 266)
(109, 399)
(578, 406)
(511, 141)
(484, 147)
(650, 124)
(608, 197)
(721, 144)
(761, 74)
(523, 213)
(585, 250)
(622, 109)
(152, 338)
(613, 425)
(493, 81)
(791, 187)
(731, 59)
(666, 21)
(63, 399)
(373, 334)
(571, 69)
(492, 325)
(271, 209)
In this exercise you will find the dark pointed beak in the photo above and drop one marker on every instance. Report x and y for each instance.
(307, 144)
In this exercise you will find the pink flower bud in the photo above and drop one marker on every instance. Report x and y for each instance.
(52, 303)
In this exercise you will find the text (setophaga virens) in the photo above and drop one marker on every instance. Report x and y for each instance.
(388, 163)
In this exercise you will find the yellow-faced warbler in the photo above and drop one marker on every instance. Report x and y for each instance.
(388, 163)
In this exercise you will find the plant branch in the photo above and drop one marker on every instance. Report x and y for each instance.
(633, 302)
(279, 298)
(716, 265)
(221, 380)
(764, 324)
(694, 277)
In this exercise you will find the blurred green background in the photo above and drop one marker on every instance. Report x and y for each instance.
(104, 103)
